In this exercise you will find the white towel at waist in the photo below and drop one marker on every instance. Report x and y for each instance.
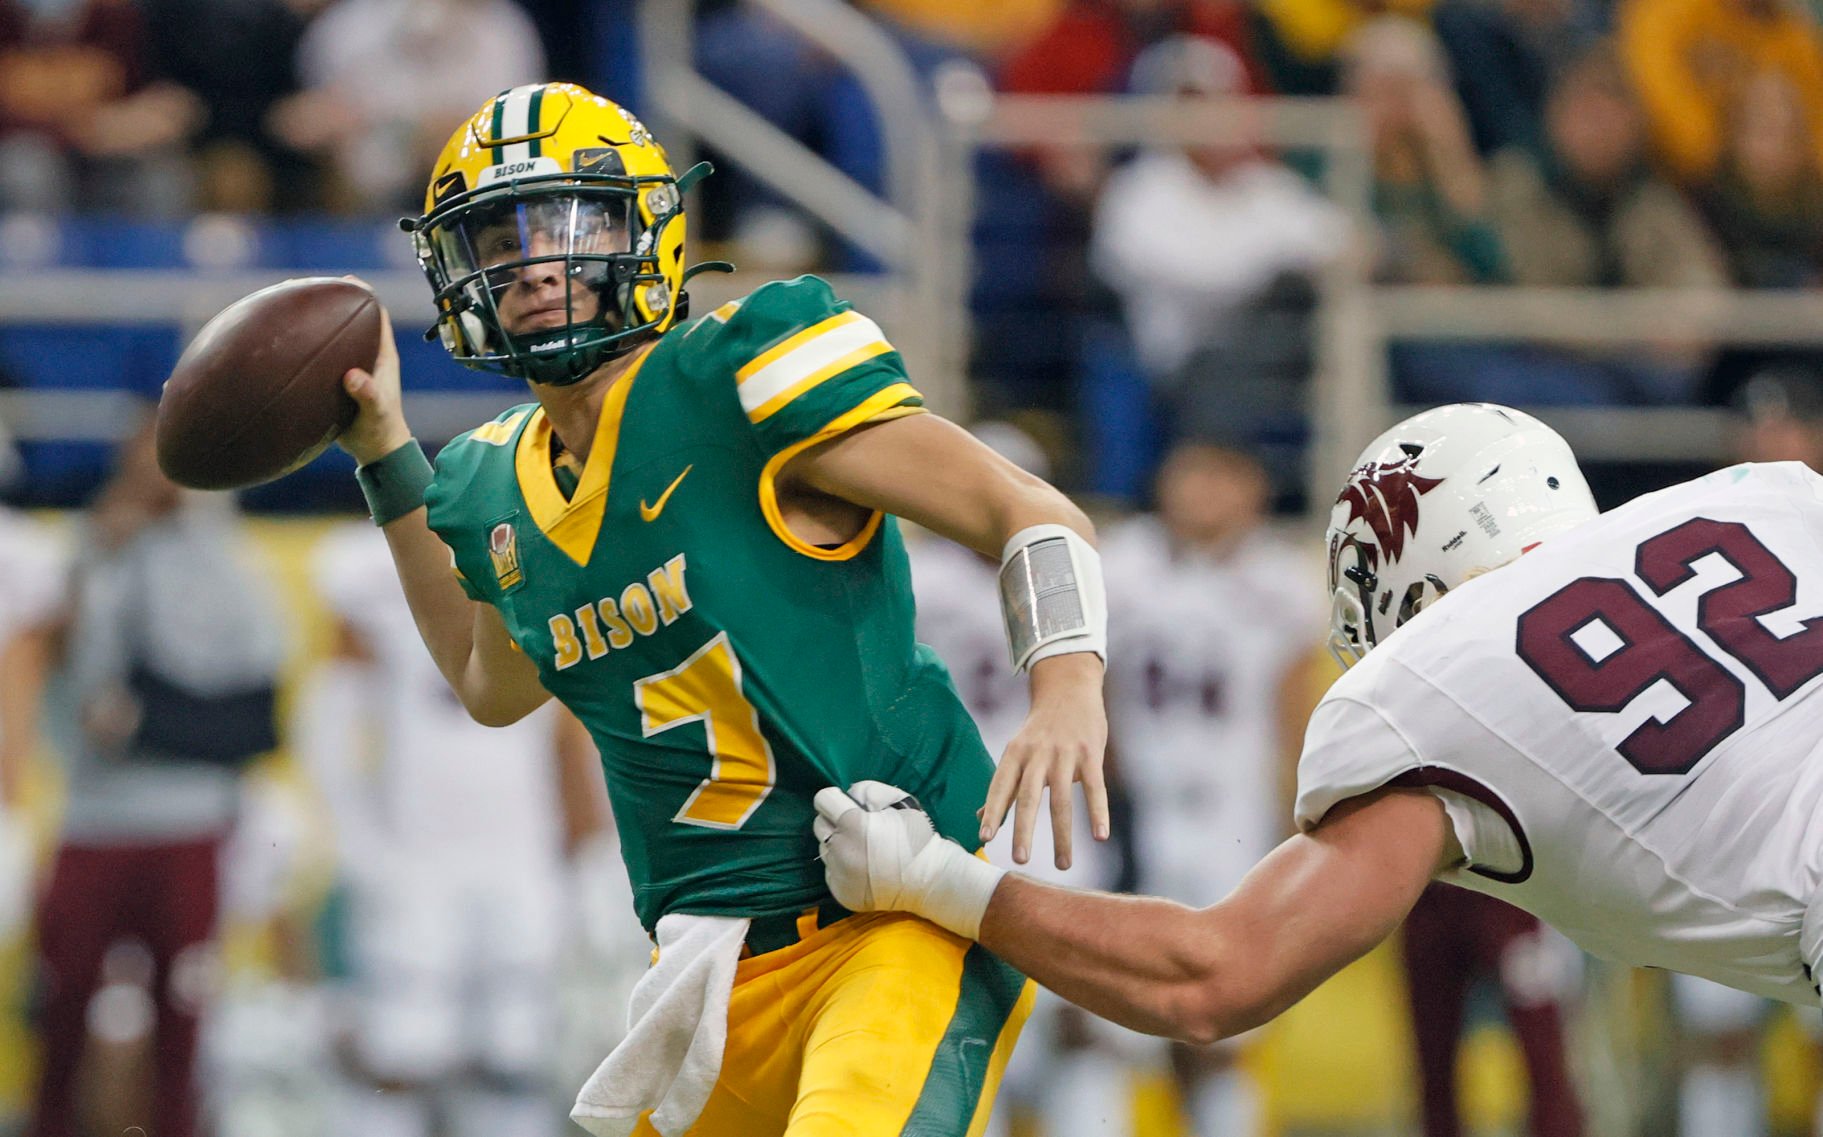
(677, 1027)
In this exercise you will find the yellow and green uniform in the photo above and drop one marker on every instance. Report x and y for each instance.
(727, 670)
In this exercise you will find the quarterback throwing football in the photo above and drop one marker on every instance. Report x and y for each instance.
(1612, 722)
(685, 539)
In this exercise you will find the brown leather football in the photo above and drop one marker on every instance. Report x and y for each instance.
(258, 392)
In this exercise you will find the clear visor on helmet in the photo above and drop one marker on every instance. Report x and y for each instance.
(512, 259)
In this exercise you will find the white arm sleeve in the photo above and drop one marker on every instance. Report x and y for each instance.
(1052, 595)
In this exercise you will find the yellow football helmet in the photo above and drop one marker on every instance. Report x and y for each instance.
(553, 235)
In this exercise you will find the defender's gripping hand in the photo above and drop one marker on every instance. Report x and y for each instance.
(881, 853)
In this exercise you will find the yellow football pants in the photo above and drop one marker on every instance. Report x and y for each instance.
(878, 1025)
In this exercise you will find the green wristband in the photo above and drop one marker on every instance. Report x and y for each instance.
(395, 485)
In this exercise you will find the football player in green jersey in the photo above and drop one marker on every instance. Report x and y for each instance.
(688, 539)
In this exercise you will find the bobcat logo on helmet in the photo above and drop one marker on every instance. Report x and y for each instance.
(1492, 481)
(1385, 495)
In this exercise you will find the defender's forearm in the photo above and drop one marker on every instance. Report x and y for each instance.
(1315, 904)
(1136, 960)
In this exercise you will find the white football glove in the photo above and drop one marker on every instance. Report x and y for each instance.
(881, 853)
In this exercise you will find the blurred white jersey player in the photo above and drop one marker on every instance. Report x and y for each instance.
(1210, 617)
(451, 841)
(33, 565)
(1066, 1073)
(1210, 620)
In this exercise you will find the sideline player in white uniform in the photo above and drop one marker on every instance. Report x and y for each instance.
(1068, 1072)
(1197, 685)
(452, 847)
(32, 565)
(1616, 731)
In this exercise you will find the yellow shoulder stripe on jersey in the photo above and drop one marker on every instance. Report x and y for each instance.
(886, 403)
(725, 311)
(573, 524)
(788, 369)
(498, 433)
(829, 370)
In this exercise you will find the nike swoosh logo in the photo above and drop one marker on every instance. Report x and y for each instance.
(651, 512)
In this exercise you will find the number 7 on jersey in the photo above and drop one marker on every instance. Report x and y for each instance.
(706, 688)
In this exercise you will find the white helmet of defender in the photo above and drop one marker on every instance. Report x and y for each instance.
(1437, 499)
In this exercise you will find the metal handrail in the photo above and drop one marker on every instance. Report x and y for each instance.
(900, 228)
(1350, 387)
(885, 73)
(786, 165)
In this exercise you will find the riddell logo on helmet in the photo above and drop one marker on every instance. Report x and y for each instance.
(1385, 495)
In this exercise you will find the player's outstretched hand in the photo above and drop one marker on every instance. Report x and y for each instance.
(881, 853)
(1062, 742)
(379, 428)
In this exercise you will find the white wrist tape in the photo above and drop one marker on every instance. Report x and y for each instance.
(1052, 595)
(951, 888)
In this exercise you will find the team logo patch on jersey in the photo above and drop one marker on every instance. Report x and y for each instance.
(503, 550)
(1385, 495)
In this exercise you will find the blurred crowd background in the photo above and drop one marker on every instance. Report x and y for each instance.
(1181, 256)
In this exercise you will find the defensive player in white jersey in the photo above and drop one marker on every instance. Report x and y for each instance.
(1199, 704)
(452, 846)
(1612, 723)
(33, 567)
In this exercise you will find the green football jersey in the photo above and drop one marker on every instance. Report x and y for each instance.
(726, 669)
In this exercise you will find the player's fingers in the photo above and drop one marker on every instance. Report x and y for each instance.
(359, 385)
(389, 347)
(832, 803)
(1095, 793)
(1000, 793)
(824, 830)
(1025, 814)
(1063, 817)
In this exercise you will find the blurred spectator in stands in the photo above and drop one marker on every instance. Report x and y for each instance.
(1090, 50)
(385, 80)
(83, 124)
(1782, 417)
(238, 58)
(1212, 251)
(1767, 198)
(1429, 187)
(786, 80)
(1299, 43)
(1503, 56)
(1766, 203)
(1501, 52)
(986, 31)
(1589, 211)
(172, 657)
(1211, 619)
(1692, 60)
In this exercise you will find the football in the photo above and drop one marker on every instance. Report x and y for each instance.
(258, 392)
